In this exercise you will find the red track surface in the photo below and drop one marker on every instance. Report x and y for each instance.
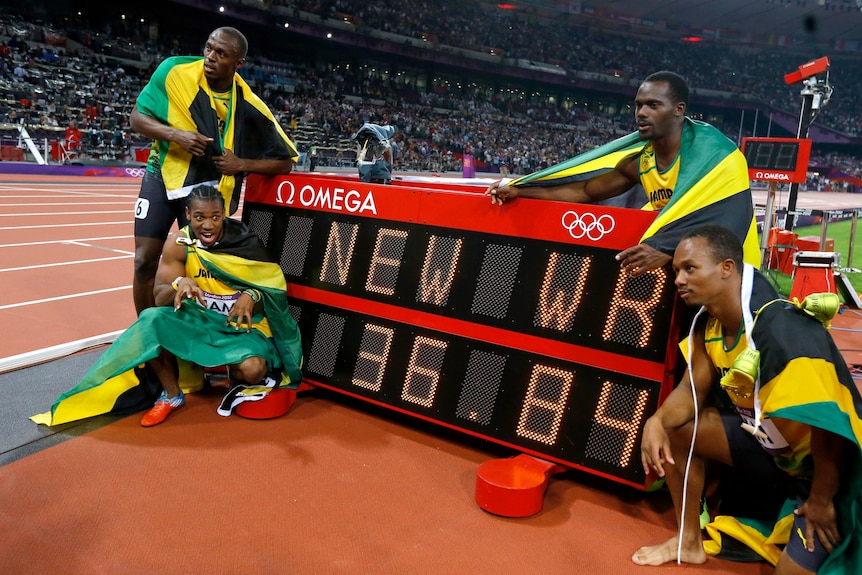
(66, 267)
(66, 257)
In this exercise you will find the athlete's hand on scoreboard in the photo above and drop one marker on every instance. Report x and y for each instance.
(500, 191)
(641, 259)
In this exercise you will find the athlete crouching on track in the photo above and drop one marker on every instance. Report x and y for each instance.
(793, 413)
(221, 301)
(187, 273)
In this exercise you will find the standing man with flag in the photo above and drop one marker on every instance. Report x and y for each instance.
(208, 127)
(689, 171)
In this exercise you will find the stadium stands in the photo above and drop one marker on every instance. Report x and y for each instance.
(574, 96)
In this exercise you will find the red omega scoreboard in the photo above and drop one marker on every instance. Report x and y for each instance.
(512, 323)
(777, 159)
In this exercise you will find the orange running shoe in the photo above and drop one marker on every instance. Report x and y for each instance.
(163, 407)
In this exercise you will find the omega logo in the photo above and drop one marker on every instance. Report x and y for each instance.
(335, 199)
(771, 176)
(587, 225)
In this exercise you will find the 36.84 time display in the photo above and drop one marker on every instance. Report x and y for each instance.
(435, 304)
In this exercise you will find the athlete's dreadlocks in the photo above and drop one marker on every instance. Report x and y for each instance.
(205, 193)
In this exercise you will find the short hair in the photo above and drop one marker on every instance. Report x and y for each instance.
(677, 84)
(241, 40)
(721, 242)
(205, 193)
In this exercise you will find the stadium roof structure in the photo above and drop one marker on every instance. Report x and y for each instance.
(802, 20)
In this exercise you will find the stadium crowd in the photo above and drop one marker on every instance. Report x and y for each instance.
(94, 79)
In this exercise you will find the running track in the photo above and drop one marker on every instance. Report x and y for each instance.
(66, 257)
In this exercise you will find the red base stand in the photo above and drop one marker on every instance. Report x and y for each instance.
(277, 403)
(782, 246)
(813, 274)
(513, 487)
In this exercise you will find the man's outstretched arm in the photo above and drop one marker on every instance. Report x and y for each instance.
(608, 185)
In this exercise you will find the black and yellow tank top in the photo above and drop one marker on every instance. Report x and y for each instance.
(219, 296)
(657, 185)
(789, 442)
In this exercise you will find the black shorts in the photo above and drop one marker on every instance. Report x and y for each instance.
(746, 453)
(751, 461)
(154, 212)
(797, 549)
(774, 486)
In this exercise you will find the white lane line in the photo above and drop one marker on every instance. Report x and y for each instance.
(72, 196)
(62, 297)
(34, 194)
(61, 187)
(55, 352)
(58, 264)
(38, 214)
(40, 204)
(124, 222)
(86, 245)
(48, 242)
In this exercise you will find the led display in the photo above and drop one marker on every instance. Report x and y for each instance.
(513, 323)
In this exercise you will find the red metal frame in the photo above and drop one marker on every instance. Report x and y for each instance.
(506, 338)
(445, 206)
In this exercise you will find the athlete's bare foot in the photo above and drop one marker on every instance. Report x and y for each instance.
(666, 552)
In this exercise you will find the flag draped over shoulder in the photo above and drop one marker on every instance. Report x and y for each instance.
(712, 186)
(240, 261)
(119, 382)
(803, 378)
(179, 95)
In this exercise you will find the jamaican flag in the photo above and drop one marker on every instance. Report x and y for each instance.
(803, 378)
(712, 186)
(179, 95)
(119, 382)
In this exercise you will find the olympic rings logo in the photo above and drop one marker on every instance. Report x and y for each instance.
(587, 225)
(136, 172)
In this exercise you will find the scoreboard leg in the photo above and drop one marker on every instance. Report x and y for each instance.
(513, 487)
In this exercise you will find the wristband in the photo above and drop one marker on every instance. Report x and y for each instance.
(176, 283)
(253, 294)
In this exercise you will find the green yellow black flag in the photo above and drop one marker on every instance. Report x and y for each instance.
(712, 186)
(119, 382)
(804, 379)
